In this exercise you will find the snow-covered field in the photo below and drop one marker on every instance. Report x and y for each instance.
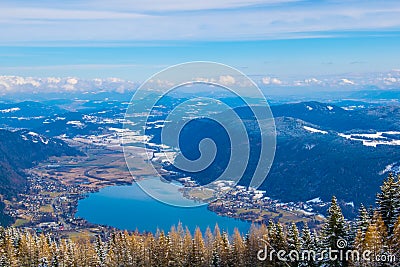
(313, 130)
(374, 139)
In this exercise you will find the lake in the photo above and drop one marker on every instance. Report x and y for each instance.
(128, 207)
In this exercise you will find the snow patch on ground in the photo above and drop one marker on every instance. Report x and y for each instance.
(33, 134)
(78, 124)
(394, 168)
(313, 130)
(9, 110)
(373, 139)
(315, 200)
(35, 138)
(387, 169)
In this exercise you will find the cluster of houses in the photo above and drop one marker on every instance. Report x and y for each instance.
(47, 204)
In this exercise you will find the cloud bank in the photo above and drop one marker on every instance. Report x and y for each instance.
(17, 84)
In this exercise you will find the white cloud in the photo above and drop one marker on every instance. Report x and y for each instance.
(205, 80)
(16, 84)
(271, 81)
(72, 81)
(308, 82)
(389, 80)
(56, 84)
(345, 81)
(158, 83)
(312, 81)
(226, 80)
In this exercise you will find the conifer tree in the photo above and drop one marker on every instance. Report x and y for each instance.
(217, 247)
(150, 245)
(238, 249)
(140, 251)
(54, 261)
(309, 249)
(272, 234)
(362, 223)
(209, 241)
(293, 244)
(175, 248)
(100, 250)
(215, 260)
(281, 242)
(162, 249)
(198, 248)
(187, 248)
(363, 219)
(334, 232)
(388, 201)
(395, 242)
(293, 238)
(375, 238)
(252, 245)
(23, 251)
(225, 250)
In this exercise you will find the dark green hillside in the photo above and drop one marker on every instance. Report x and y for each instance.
(308, 164)
(20, 150)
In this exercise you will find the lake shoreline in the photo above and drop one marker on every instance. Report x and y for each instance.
(119, 201)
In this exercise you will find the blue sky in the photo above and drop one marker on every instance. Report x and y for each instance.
(133, 39)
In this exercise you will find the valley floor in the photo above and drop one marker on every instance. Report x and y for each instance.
(56, 186)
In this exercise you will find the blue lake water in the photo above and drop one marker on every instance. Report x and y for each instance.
(128, 207)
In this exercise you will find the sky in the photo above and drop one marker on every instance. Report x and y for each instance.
(133, 39)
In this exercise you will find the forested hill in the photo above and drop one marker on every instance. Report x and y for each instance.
(20, 150)
(322, 150)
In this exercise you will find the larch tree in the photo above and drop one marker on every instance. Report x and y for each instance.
(187, 248)
(238, 249)
(252, 245)
(209, 245)
(175, 248)
(362, 223)
(198, 248)
(162, 249)
(375, 239)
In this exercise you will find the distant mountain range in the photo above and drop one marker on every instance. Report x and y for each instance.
(323, 149)
(20, 150)
(57, 117)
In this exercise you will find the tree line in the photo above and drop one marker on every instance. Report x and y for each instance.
(373, 239)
